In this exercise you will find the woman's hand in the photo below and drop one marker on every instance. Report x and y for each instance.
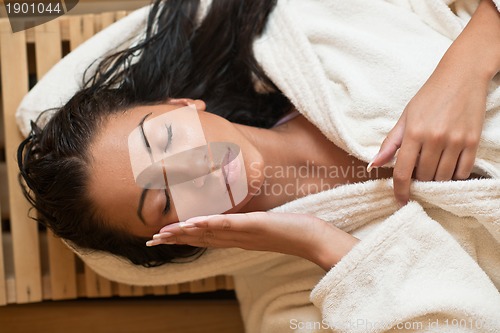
(296, 234)
(439, 131)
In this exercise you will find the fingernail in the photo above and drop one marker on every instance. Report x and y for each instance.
(152, 243)
(186, 225)
(370, 166)
(155, 242)
(162, 235)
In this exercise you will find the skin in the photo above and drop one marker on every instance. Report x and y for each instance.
(112, 186)
(295, 144)
(453, 100)
(319, 242)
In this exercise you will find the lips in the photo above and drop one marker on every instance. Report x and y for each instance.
(231, 167)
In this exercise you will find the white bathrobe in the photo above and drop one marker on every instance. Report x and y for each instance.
(350, 67)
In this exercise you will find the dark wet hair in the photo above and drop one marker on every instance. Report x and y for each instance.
(178, 57)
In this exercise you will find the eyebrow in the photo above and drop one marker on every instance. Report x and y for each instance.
(145, 191)
(141, 126)
(141, 204)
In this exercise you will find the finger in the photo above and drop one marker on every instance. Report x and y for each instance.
(205, 241)
(428, 161)
(236, 222)
(389, 147)
(242, 222)
(447, 164)
(403, 170)
(201, 238)
(198, 221)
(465, 164)
(178, 233)
(175, 228)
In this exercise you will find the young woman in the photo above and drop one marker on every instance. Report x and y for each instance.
(83, 149)
(78, 166)
(79, 172)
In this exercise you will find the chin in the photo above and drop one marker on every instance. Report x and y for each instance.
(240, 208)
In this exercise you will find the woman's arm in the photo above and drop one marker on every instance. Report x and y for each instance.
(300, 235)
(478, 46)
(408, 273)
(439, 131)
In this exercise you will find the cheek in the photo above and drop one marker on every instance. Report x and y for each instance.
(204, 196)
(216, 191)
(255, 171)
(218, 129)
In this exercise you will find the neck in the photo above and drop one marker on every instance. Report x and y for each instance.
(290, 154)
(299, 160)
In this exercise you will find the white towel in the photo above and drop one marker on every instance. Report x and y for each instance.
(350, 67)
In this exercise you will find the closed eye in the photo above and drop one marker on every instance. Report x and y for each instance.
(167, 204)
(169, 136)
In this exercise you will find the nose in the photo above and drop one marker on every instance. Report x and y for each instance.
(187, 166)
(182, 172)
(192, 165)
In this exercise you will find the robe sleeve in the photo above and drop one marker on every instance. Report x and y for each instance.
(408, 274)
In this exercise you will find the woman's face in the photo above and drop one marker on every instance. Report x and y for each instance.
(156, 165)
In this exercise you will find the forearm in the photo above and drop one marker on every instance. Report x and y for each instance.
(477, 49)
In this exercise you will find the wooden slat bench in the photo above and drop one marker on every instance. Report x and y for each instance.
(34, 264)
